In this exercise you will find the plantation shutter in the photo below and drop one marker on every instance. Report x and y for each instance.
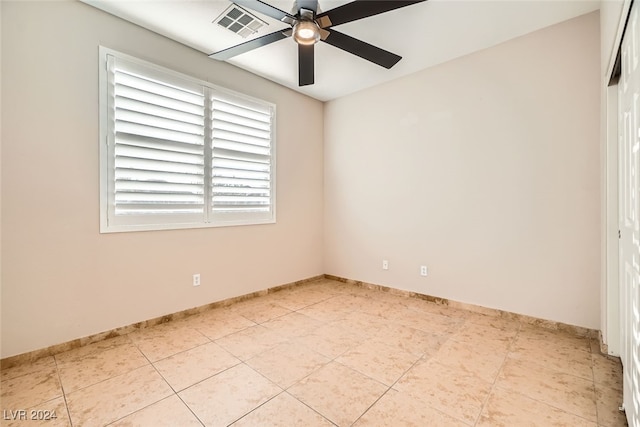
(241, 164)
(158, 146)
(178, 152)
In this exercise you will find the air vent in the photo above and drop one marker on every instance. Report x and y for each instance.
(239, 21)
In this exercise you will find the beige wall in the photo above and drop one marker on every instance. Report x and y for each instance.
(485, 169)
(62, 279)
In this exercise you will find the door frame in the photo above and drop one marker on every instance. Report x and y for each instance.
(611, 299)
(610, 287)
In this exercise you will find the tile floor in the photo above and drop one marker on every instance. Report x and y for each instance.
(324, 354)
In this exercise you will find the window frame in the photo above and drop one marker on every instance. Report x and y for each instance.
(155, 222)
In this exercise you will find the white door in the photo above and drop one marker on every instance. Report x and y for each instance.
(629, 152)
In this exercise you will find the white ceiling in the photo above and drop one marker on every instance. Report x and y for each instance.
(424, 34)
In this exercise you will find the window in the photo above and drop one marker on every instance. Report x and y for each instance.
(181, 153)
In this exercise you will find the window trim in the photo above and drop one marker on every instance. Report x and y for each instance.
(106, 162)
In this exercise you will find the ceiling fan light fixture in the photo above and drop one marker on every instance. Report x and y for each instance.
(306, 32)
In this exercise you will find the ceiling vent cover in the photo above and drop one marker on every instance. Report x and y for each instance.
(239, 21)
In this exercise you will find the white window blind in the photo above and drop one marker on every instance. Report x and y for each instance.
(181, 153)
(241, 163)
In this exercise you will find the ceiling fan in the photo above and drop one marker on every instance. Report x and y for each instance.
(308, 28)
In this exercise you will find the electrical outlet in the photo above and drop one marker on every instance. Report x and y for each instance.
(196, 279)
(385, 264)
(423, 270)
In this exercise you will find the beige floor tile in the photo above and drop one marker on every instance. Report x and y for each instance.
(391, 298)
(293, 324)
(485, 339)
(189, 367)
(338, 393)
(507, 409)
(411, 302)
(563, 391)
(409, 339)
(260, 310)
(88, 350)
(560, 355)
(299, 298)
(98, 366)
(458, 394)
(283, 411)
(378, 361)
(493, 321)
(607, 371)
(228, 396)
(428, 322)
(326, 288)
(355, 289)
(349, 302)
(552, 340)
(47, 414)
(608, 401)
(250, 342)
(362, 323)
(166, 340)
(117, 397)
(30, 390)
(335, 348)
(331, 340)
(433, 308)
(325, 311)
(396, 409)
(334, 286)
(385, 309)
(287, 363)
(169, 412)
(42, 364)
(218, 323)
(464, 358)
(364, 292)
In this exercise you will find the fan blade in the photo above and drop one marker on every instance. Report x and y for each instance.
(360, 9)
(305, 65)
(266, 9)
(247, 46)
(307, 4)
(364, 50)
